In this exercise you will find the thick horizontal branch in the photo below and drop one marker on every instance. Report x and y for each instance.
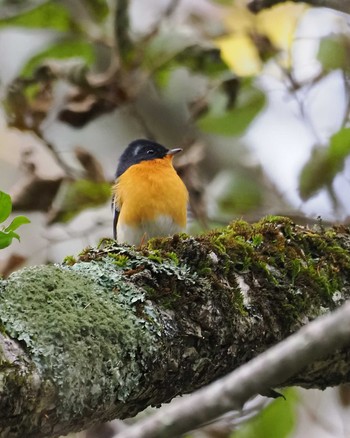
(338, 5)
(326, 334)
(120, 329)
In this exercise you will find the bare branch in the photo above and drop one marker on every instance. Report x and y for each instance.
(338, 5)
(121, 29)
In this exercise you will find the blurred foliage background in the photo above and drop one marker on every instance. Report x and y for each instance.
(260, 104)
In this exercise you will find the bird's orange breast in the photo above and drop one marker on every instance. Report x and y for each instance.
(151, 189)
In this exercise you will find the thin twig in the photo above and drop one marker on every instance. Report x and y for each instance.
(338, 5)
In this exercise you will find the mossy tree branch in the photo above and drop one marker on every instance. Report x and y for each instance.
(120, 329)
(231, 392)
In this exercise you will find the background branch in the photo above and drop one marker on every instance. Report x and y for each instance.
(338, 5)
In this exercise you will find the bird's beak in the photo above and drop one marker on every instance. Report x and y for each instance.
(174, 151)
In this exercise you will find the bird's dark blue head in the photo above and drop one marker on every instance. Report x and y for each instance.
(142, 150)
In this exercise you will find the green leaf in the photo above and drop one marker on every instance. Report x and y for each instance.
(17, 222)
(5, 206)
(163, 48)
(276, 421)
(197, 59)
(333, 52)
(6, 238)
(8, 234)
(315, 174)
(324, 164)
(50, 15)
(62, 50)
(235, 121)
(98, 9)
(79, 195)
(339, 147)
(238, 193)
(11, 8)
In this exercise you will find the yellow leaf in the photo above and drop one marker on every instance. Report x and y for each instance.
(240, 19)
(280, 22)
(240, 54)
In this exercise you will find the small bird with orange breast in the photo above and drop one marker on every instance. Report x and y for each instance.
(149, 197)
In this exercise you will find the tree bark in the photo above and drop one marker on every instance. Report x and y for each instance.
(120, 328)
(231, 392)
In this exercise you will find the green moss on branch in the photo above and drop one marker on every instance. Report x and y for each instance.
(119, 328)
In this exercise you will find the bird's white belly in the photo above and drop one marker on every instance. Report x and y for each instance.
(161, 226)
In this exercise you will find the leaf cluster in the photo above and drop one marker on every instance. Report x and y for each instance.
(8, 233)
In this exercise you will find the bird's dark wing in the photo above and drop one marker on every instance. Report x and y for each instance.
(115, 218)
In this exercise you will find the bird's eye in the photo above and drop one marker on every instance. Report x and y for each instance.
(150, 151)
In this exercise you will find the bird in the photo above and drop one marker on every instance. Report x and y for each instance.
(149, 198)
